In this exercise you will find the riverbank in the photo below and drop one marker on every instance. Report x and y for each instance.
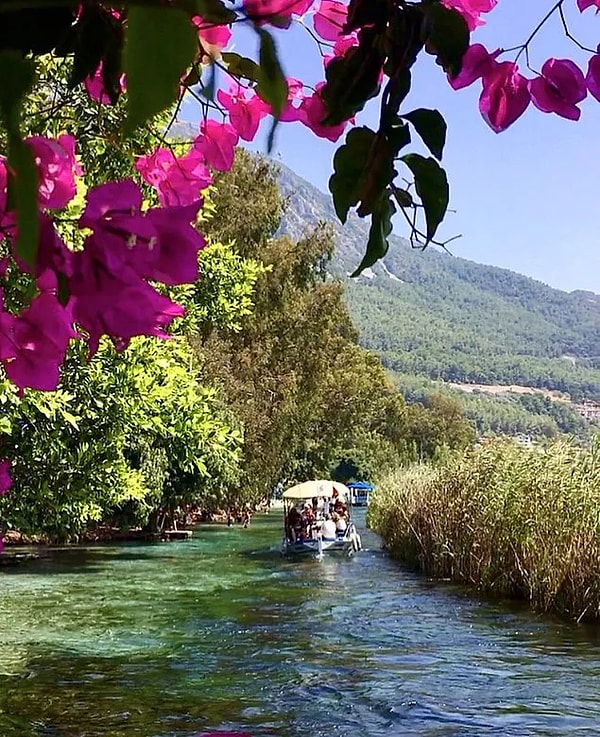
(512, 522)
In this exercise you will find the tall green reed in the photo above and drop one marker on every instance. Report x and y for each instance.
(512, 521)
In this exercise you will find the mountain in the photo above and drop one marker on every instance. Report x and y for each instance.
(429, 314)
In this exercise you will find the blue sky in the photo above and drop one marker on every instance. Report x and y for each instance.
(526, 199)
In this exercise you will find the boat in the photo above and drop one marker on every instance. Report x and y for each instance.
(306, 507)
(360, 493)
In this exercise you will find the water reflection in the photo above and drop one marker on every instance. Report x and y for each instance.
(169, 640)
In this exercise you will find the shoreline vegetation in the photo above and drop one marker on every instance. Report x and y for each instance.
(510, 521)
(114, 534)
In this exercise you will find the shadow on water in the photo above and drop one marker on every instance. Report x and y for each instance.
(222, 632)
(77, 559)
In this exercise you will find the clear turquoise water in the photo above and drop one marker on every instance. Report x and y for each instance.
(169, 640)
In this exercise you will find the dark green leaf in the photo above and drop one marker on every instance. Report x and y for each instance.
(446, 34)
(240, 66)
(161, 43)
(214, 11)
(272, 85)
(379, 174)
(398, 92)
(23, 191)
(398, 135)
(381, 227)
(352, 79)
(98, 39)
(431, 126)
(16, 79)
(363, 13)
(431, 184)
(403, 197)
(349, 165)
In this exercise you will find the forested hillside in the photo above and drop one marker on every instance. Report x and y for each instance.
(434, 315)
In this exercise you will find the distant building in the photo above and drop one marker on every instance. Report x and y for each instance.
(589, 410)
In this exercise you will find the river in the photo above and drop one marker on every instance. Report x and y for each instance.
(169, 640)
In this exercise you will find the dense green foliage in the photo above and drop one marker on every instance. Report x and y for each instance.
(307, 395)
(264, 381)
(513, 522)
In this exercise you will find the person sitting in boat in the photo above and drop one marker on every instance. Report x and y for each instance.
(340, 523)
(328, 528)
(294, 525)
(308, 520)
(340, 508)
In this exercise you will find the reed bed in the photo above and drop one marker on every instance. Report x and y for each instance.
(514, 522)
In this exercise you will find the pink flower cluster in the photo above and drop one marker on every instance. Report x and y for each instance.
(559, 87)
(472, 10)
(108, 280)
(506, 93)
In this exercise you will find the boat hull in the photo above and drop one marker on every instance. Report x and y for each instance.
(319, 547)
(312, 547)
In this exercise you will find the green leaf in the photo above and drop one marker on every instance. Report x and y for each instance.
(22, 193)
(398, 134)
(381, 227)
(431, 126)
(240, 66)
(214, 11)
(446, 34)
(349, 165)
(16, 79)
(431, 184)
(160, 45)
(352, 79)
(272, 85)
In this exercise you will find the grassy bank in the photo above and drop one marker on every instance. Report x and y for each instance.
(513, 522)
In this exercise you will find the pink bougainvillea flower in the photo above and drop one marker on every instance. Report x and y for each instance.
(330, 18)
(246, 109)
(342, 44)
(119, 305)
(57, 167)
(313, 112)
(178, 244)
(477, 62)
(217, 142)
(291, 111)
(505, 96)
(5, 477)
(124, 234)
(95, 87)
(209, 33)
(160, 244)
(262, 10)
(178, 180)
(52, 253)
(33, 344)
(585, 4)
(471, 10)
(592, 78)
(559, 88)
(7, 217)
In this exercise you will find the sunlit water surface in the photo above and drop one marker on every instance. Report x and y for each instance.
(168, 640)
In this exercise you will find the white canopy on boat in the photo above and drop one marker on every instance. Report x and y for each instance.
(310, 489)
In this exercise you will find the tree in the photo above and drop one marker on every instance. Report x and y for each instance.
(310, 399)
